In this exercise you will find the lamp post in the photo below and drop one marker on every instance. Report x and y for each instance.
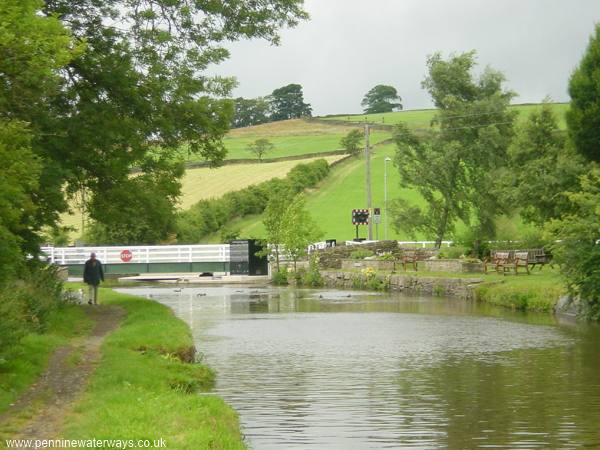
(385, 208)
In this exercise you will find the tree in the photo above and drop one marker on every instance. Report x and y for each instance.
(381, 99)
(583, 116)
(141, 211)
(351, 142)
(117, 81)
(260, 147)
(33, 49)
(454, 167)
(279, 200)
(287, 102)
(299, 229)
(18, 184)
(577, 245)
(250, 111)
(542, 167)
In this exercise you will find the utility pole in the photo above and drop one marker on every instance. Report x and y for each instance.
(385, 205)
(368, 180)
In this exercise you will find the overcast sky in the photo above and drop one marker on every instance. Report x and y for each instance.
(348, 46)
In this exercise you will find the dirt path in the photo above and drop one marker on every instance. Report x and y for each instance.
(65, 378)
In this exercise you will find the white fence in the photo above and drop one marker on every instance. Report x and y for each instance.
(139, 254)
(422, 244)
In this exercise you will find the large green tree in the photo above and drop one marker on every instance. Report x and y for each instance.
(139, 91)
(577, 244)
(542, 167)
(33, 48)
(381, 99)
(583, 116)
(453, 167)
(577, 232)
(287, 102)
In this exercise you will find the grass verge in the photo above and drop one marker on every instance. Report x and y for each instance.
(536, 292)
(145, 386)
(30, 357)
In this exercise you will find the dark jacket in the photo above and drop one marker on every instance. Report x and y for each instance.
(92, 272)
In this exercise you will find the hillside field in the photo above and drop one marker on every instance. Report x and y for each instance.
(290, 138)
(204, 183)
(331, 203)
(421, 118)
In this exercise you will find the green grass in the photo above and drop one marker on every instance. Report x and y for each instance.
(536, 292)
(30, 357)
(290, 138)
(205, 183)
(421, 118)
(237, 147)
(142, 390)
(331, 203)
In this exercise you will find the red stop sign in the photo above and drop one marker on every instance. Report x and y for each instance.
(126, 255)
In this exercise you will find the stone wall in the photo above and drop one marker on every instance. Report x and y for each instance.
(355, 264)
(453, 265)
(331, 258)
(451, 287)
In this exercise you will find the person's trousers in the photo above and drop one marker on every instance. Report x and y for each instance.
(93, 293)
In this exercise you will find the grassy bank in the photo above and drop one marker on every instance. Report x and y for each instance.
(146, 388)
(29, 358)
(539, 291)
(536, 292)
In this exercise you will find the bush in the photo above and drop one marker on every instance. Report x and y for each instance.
(12, 323)
(361, 254)
(26, 304)
(280, 278)
(313, 276)
(453, 252)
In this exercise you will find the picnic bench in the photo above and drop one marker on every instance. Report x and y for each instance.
(411, 256)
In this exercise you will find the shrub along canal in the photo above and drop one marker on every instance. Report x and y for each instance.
(354, 370)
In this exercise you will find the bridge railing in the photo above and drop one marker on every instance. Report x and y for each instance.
(139, 254)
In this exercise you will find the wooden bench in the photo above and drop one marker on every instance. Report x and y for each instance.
(409, 257)
(538, 257)
(414, 255)
(504, 261)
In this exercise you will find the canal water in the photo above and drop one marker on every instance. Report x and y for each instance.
(328, 369)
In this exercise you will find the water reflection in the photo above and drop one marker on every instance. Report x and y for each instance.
(345, 370)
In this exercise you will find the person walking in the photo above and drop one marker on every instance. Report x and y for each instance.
(92, 275)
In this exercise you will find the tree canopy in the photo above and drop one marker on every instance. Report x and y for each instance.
(583, 116)
(381, 99)
(453, 168)
(351, 141)
(111, 86)
(542, 167)
(250, 111)
(287, 102)
(33, 48)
